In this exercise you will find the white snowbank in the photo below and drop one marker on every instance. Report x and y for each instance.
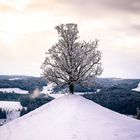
(138, 88)
(10, 105)
(72, 117)
(56, 95)
(16, 90)
(45, 89)
(98, 90)
(12, 79)
(48, 89)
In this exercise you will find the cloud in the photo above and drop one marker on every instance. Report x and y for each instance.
(88, 7)
(26, 35)
(135, 28)
(124, 5)
(26, 55)
(42, 5)
(6, 8)
(13, 5)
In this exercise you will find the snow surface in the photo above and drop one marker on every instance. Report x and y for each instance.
(72, 117)
(13, 79)
(10, 105)
(16, 90)
(56, 95)
(2, 121)
(47, 89)
(138, 88)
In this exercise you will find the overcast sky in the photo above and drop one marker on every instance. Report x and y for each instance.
(27, 31)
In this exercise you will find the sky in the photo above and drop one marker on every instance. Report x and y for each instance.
(27, 31)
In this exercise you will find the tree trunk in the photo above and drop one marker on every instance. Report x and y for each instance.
(71, 88)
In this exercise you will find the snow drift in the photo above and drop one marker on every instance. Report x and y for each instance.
(138, 88)
(72, 117)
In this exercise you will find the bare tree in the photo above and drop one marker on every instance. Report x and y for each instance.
(70, 62)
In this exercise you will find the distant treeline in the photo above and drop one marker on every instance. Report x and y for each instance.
(33, 103)
(2, 114)
(115, 94)
(122, 100)
(11, 96)
(104, 83)
(26, 101)
(28, 84)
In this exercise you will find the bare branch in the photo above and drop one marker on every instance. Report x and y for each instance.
(69, 61)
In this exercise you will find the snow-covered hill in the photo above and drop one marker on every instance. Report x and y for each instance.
(72, 117)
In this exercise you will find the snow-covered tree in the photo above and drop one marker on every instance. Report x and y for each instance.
(70, 61)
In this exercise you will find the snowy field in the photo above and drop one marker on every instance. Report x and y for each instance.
(10, 105)
(12, 79)
(138, 88)
(16, 90)
(48, 89)
(72, 117)
(12, 111)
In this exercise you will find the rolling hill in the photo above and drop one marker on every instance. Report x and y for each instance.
(71, 117)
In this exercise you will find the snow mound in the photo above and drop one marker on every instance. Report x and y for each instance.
(72, 117)
(138, 88)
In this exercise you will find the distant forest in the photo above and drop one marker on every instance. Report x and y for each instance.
(115, 94)
(23, 82)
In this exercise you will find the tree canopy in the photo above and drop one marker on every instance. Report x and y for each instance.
(71, 61)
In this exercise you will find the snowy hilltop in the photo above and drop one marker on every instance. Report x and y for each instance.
(72, 117)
